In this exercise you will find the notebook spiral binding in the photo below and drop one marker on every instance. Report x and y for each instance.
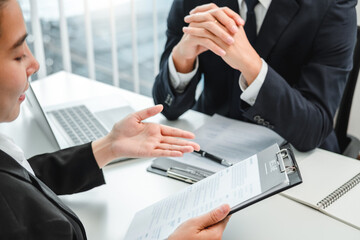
(335, 195)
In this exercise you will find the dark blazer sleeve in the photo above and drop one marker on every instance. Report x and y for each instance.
(305, 110)
(174, 103)
(68, 171)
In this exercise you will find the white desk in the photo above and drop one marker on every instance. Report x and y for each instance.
(107, 211)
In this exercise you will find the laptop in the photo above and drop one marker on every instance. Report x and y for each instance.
(76, 123)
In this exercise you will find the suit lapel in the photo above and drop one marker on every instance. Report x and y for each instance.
(10, 166)
(51, 195)
(279, 15)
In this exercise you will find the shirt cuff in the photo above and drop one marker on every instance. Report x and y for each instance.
(179, 81)
(251, 92)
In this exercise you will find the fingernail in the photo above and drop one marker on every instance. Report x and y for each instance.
(230, 40)
(185, 29)
(223, 209)
(241, 21)
(234, 29)
(222, 53)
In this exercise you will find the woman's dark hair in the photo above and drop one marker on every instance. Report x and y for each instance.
(2, 3)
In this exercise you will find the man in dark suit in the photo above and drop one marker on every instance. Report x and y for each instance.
(286, 70)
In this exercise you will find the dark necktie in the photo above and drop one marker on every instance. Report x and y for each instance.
(250, 25)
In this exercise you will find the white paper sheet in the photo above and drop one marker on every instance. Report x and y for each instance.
(230, 139)
(232, 185)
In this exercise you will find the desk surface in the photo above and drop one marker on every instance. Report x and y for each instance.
(106, 211)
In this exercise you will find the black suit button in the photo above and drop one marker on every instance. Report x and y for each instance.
(168, 100)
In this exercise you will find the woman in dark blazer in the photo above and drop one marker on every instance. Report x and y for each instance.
(29, 205)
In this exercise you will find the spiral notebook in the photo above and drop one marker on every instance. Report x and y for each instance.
(330, 185)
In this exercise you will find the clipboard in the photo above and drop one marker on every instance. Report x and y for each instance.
(190, 174)
(251, 180)
(292, 170)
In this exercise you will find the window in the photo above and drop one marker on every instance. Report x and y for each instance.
(75, 12)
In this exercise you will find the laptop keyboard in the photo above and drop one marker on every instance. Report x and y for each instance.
(79, 124)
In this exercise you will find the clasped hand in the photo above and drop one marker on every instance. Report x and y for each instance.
(221, 31)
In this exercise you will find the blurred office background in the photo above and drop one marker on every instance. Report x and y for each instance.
(118, 42)
(133, 27)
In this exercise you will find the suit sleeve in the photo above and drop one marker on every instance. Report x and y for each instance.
(68, 171)
(174, 103)
(303, 114)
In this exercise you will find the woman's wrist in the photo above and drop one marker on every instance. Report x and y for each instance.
(102, 150)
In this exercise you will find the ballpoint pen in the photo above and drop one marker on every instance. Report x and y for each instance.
(207, 155)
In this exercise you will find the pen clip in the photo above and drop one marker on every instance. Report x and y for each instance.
(190, 171)
(200, 152)
(172, 174)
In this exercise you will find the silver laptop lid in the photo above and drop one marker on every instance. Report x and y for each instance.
(40, 117)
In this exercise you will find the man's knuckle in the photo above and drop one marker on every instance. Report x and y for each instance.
(229, 21)
(208, 42)
(213, 5)
(225, 8)
(207, 16)
(208, 24)
(224, 36)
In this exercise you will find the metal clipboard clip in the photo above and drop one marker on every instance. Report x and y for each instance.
(281, 155)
